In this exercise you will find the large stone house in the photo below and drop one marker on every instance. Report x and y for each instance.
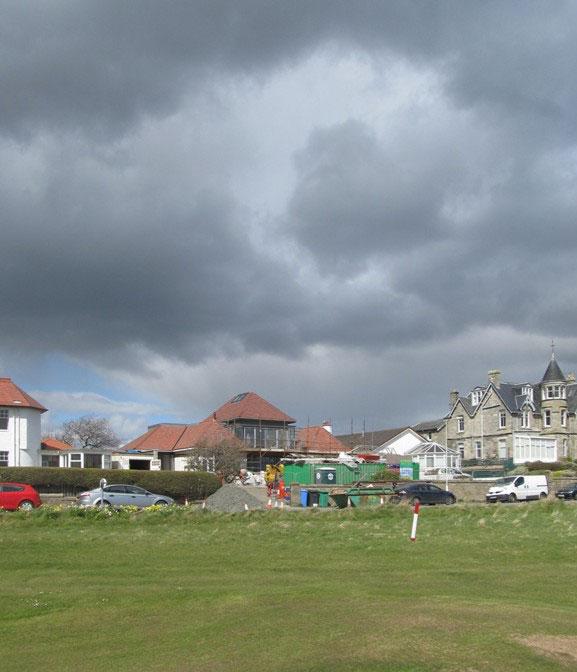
(20, 430)
(522, 422)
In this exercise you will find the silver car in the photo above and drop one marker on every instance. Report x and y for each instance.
(122, 495)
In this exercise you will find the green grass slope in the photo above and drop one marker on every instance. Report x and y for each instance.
(483, 588)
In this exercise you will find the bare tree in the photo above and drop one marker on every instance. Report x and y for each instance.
(89, 433)
(224, 458)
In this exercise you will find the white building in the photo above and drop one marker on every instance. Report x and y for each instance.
(20, 433)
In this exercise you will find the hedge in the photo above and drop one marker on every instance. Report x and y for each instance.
(179, 485)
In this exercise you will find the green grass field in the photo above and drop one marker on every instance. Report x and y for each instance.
(483, 588)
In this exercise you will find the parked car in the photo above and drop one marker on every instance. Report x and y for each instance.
(18, 496)
(123, 495)
(567, 492)
(513, 488)
(425, 493)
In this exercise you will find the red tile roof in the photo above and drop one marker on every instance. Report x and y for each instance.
(163, 437)
(12, 395)
(318, 440)
(208, 432)
(250, 406)
(49, 443)
(167, 438)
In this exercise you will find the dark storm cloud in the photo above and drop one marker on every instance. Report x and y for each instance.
(101, 65)
(103, 249)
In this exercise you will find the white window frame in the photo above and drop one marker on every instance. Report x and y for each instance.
(476, 396)
(460, 424)
(478, 450)
(73, 457)
(563, 418)
(4, 458)
(527, 390)
(502, 419)
(461, 450)
(547, 417)
(526, 420)
(502, 449)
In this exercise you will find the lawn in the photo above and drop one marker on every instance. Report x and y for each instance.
(482, 588)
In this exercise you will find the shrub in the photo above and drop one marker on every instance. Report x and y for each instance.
(545, 466)
(387, 475)
(179, 485)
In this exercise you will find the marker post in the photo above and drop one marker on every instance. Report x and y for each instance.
(415, 520)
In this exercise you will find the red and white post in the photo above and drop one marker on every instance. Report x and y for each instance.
(415, 520)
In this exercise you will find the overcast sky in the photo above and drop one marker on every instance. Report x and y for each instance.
(347, 207)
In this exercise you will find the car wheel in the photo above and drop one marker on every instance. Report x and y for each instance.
(99, 503)
(26, 505)
(450, 500)
(512, 497)
(161, 502)
(543, 496)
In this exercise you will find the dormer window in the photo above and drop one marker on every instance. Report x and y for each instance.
(476, 396)
(527, 391)
(554, 392)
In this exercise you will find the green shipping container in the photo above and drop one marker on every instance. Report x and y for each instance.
(304, 474)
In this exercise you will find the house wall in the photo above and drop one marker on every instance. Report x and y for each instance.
(21, 440)
(484, 428)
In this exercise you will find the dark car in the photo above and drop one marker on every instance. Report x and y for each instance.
(425, 493)
(18, 496)
(567, 492)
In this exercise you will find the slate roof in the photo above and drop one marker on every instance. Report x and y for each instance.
(12, 395)
(318, 440)
(429, 425)
(250, 406)
(553, 374)
(367, 439)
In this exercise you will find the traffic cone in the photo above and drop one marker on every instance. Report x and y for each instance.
(269, 504)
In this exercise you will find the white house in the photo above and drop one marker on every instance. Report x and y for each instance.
(20, 433)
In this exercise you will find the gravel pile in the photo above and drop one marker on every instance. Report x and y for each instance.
(233, 499)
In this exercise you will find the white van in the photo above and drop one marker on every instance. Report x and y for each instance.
(513, 488)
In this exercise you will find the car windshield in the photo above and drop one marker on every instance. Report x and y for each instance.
(505, 481)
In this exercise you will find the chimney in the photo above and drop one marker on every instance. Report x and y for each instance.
(328, 426)
(570, 377)
(453, 398)
(495, 377)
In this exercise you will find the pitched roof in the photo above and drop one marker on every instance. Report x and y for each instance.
(553, 373)
(376, 438)
(163, 437)
(167, 438)
(318, 440)
(208, 432)
(12, 395)
(250, 406)
(50, 443)
(429, 425)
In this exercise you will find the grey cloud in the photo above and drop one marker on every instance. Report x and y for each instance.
(103, 66)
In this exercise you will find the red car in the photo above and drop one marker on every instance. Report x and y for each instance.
(18, 496)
